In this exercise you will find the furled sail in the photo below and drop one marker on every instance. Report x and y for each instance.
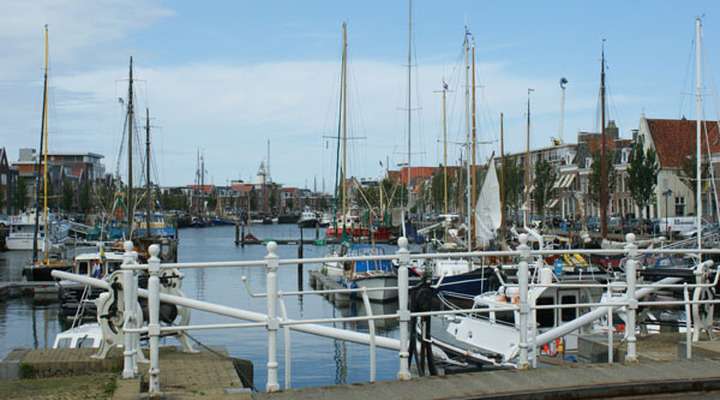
(487, 209)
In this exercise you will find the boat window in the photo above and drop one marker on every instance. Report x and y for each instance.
(64, 343)
(82, 268)
(568, 314)
(85, 342)
(545, 317)
(505, 316)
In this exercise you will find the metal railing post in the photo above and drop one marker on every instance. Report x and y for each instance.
(371, 331)
(523, 275)
(154, 315)
(688, 323)
(272, 322)
(129, 321)
(631, 250)
(610, 328)
(404, 314)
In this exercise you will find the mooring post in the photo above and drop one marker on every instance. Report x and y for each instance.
(237, 231)
(631, 251)
(272, 323)
(404, 261)
(154, 314)
(301, 251)
(129, 352)
(523, 306)
(242, 235)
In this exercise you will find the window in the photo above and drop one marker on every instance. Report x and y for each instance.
(64, 343)
(545, 317)
(568, 314)
(679, 206)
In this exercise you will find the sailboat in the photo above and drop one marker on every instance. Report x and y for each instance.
(39, 270)
(354, 274)
(142, 227)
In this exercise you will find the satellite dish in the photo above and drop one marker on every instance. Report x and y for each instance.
(563, 82)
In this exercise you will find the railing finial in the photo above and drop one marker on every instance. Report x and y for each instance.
(272, 248)
(403, 242)
(523, 239)
(154, 251)
(630, 238)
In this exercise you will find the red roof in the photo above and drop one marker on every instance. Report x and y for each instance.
(674, 139)
(289, 189)
(415, 173)
(203, 188)
(242, 187)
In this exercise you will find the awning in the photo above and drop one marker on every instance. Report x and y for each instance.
(569, 181)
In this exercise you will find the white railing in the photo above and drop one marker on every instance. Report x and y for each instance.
(525, 310)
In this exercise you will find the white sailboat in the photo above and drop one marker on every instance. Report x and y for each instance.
(488, 209)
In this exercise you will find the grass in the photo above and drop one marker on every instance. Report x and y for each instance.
(97, 386)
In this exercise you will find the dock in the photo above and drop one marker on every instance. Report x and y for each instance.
(9, 290)
(55, 373)
(570, 381)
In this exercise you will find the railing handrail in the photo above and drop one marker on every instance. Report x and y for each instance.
(423, 256)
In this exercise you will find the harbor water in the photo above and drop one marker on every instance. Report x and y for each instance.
(316, 361)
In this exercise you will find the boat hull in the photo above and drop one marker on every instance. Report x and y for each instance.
(375, 282)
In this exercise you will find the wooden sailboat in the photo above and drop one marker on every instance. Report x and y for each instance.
(40, 270)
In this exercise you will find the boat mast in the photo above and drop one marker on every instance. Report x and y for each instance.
(409, 107)
(603, 151)
(445, 160)
(528, 165)
(502, 175)
(473, 177)
(698, 116)
(343, 116)
(130, 120)
(43, 141)
(147, 173)
(467, 136)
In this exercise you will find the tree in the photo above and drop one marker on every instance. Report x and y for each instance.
(511, 185)
(68, 193)
(544, 179)
(84, 197)
(20, 195)
(594, 186)
(642, 173)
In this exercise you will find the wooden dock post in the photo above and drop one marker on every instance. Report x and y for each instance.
(242, 235)
(237, 232)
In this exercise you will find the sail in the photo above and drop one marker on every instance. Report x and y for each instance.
(487, 209)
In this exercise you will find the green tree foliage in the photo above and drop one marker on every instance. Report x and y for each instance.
(84, 200)
(68, 195)
(511, 177)
(642, 173)
(544, 179)
(20, 195)
(594, 186)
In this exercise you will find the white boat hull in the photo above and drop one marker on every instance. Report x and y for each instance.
(23, 243)
(374, 282)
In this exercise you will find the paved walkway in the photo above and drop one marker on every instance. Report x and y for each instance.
(571, 381)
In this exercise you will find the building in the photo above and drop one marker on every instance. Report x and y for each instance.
(7, 184)
(75, 168)
(674, 140)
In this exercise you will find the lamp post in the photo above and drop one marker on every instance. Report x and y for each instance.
(668, 193)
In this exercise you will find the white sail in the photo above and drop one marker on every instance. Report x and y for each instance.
(487, 208)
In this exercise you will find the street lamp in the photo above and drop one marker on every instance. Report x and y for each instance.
(668, 193)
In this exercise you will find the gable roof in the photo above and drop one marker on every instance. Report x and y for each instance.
(674, 139)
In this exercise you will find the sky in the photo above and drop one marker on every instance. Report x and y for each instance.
(225, 77)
